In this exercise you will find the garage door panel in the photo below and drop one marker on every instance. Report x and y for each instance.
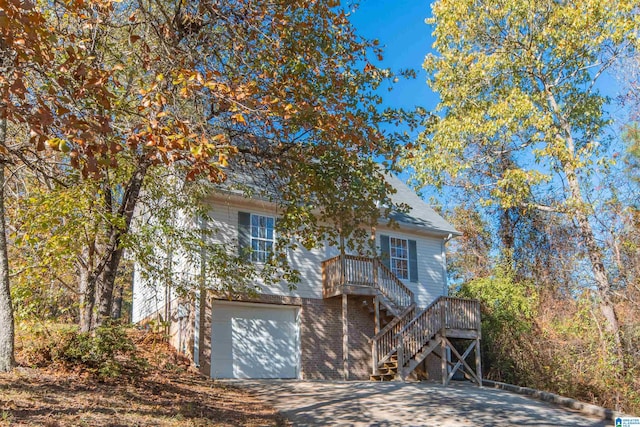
(223, 331)
(222, 368)
(254, 341)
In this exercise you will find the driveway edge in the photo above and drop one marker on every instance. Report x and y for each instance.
(585, 408)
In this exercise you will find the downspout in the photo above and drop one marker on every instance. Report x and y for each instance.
(445, 292)
(443, 257)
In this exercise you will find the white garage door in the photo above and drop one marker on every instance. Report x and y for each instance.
(254, 341)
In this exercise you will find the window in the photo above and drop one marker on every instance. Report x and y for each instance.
(262, 237)
(399, 257)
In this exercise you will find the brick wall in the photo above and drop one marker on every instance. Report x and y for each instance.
(361, 329)
(320, 335)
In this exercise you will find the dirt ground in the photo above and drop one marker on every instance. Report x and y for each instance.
(170, 395)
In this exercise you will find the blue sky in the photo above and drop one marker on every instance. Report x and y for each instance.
(399, 26)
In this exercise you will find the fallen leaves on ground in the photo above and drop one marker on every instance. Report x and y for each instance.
(170, 395)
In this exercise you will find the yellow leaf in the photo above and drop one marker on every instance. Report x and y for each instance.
(239, 118)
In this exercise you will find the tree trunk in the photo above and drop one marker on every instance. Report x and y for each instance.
(584, 229)
(87, 301)
(506, 231)
(87, 288)
(6, 309)
(116, 310)
(107, 270)
(595, 257)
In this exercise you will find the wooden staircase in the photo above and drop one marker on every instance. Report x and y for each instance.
(411, 335)
(388, 371)
(422, 333)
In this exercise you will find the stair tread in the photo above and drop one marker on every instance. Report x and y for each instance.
(381, 377)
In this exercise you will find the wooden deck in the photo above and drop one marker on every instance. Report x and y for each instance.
(359, 275)
(413, 334)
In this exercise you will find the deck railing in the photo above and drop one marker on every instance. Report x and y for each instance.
(445, 313)
(408, 333)
(364, 271)
(385, 342)
(461, 313)
(332, 278)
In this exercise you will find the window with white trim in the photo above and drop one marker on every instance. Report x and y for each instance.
(399, 257)
(262, 237)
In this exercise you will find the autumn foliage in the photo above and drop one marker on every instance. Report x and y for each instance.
(101, 99)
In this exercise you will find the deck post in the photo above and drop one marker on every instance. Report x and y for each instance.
(478, 327)
(374, 358)
(443, 343)
(345, 338)
(478, 363)
(376, 305)
(401, 358)
(375, 272)
(343, 273)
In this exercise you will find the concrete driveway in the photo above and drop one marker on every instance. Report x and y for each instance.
(315, 403)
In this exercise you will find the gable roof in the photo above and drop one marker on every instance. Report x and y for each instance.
(257, 183)
(420, 214)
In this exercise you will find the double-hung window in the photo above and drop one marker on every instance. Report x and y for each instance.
(262, 237)
(399, 257)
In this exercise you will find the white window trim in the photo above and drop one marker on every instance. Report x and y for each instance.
(263, 239)
(392, 257)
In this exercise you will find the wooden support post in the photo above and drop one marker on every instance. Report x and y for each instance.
(461, 359)
(375, 273)
(443, 345)
(374, 358)
(345, 338)
(400, 354)
(478, 363)
(376, 305)
(343, 266)
(443, 360)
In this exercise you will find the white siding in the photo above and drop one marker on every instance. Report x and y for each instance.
(431, 278)
(149, 297)
(431, 275)
(149, 293)
(224, 221)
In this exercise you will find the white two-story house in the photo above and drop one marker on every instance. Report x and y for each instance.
(349, 317)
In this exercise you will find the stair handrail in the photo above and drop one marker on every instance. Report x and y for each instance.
(419, 331)
(394, 322)
(365, 271)
(443, 312)
(385, 342)
(399, 293)
(430, 307)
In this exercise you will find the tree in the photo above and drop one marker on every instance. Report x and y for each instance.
(287, 87)
(235, 81)
(518, 79)
(22, 43)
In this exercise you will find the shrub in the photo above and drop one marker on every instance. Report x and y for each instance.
(106, 353)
